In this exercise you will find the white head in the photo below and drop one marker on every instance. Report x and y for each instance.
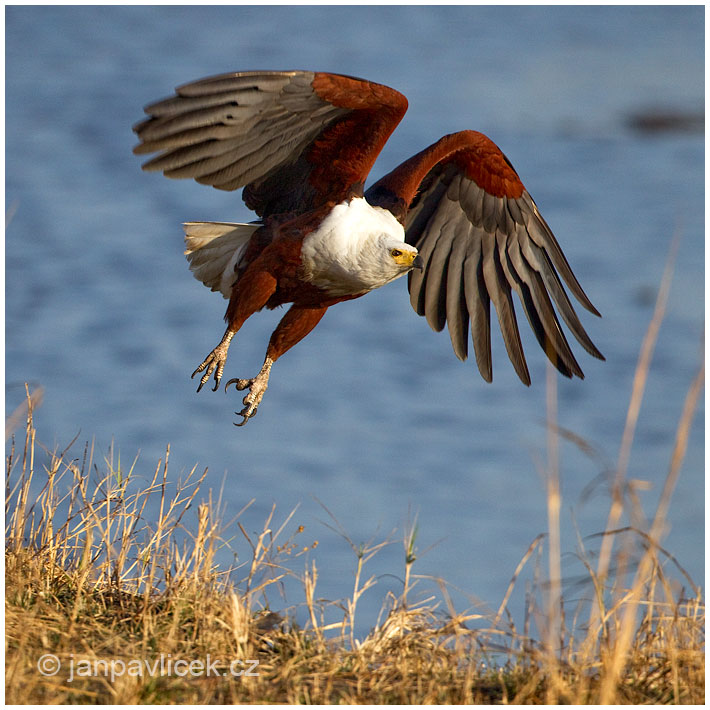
(356, 249)
(385, 258)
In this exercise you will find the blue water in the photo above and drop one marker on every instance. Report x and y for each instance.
(372, 415)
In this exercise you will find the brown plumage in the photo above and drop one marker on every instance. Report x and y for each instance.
(456, 217)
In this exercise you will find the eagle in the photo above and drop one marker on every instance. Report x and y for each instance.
(455, 218)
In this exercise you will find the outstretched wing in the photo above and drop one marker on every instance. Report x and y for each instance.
(295, 139)
(481, 237)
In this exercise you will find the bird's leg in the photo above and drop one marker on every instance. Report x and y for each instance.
(257, 386)
(295, 325)
(249, 295)
(215, 361)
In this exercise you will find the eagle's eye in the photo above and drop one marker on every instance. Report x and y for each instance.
(395, 253)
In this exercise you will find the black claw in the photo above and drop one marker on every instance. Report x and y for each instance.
(247, 416)
(234, 381)
(245, 420)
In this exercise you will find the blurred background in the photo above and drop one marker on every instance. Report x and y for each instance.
(600, 110)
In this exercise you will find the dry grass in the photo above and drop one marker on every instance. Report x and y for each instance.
(116, 578)
(91, 582)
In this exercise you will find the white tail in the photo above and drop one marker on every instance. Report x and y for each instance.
(214, 249)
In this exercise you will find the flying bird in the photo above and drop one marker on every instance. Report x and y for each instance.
(455, 217)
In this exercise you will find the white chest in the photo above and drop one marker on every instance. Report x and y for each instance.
(348, 253)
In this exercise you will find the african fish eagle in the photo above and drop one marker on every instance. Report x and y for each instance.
(455, 217)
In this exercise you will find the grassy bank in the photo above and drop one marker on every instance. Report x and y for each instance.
(107, 604)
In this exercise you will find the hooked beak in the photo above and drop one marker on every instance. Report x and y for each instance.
(418, 263)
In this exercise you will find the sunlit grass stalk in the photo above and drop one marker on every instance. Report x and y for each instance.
(637, 391)
(649, 562)
(410, 557)
(554, 595)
